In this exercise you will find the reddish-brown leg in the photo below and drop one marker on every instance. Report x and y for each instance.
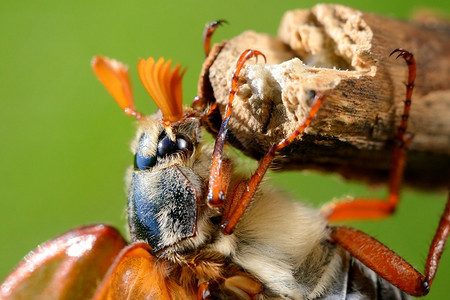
(244, 196)
(216, 193)
(208, 32)
(244, 191)
(199, 102)
(230, 204)
(388, 264)
(376, 208)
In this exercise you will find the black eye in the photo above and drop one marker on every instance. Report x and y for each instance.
(143, 163)
(166, 146)
(184, 144)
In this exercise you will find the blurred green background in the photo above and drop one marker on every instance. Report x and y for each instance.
(65, 142)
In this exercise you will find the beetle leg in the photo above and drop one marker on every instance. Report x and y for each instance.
(246, 194)
(226, 172)
(388, 264)
(208, 32)
(376, 208)
(216, 194)
(231, 203)
(205, 93)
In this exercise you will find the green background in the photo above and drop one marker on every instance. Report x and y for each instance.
(65, 142)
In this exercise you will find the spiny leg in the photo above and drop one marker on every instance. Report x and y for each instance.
(216, 192)
(230, 204)
(208, 32)
(244, 196)
(199, 103)
(376, 208)
(390, 265)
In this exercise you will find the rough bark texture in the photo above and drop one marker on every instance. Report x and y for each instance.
(344, 53)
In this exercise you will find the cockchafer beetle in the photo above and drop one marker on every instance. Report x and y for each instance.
(200, 229)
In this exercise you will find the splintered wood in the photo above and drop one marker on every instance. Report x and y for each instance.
(345, 54)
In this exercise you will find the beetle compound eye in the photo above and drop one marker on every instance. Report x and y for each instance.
(143, 163)
(166, 146)
(184, 144)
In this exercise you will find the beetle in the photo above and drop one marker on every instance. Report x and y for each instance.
(200, 229)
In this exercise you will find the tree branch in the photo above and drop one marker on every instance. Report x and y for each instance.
(344, 53)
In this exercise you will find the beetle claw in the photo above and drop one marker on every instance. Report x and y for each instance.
(403, 53)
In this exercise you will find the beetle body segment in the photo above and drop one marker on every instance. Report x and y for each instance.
(163, 206)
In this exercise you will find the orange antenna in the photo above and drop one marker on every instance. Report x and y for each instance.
(164, 86)
(114, 76)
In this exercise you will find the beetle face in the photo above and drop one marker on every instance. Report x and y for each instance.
(166, 206)
(165, 191)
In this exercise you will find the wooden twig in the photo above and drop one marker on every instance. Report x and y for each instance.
(344, 53)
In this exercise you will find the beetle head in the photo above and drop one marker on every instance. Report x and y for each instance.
(171, 166)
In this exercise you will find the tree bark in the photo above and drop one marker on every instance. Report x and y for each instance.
(343, 53)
